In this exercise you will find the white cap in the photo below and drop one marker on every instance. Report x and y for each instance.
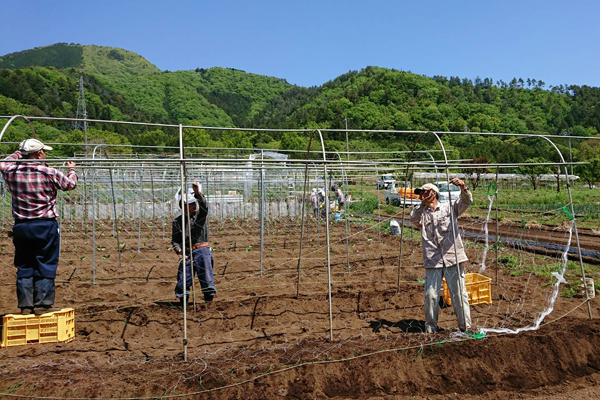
(188, 198)
(427, 186)
(29, 146)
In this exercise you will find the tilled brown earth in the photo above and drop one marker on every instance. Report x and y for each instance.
(267, 335)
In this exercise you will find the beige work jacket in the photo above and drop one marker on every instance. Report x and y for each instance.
(436, 232)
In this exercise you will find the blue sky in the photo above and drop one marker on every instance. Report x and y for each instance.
(311, 42)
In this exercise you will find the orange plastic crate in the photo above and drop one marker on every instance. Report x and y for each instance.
(479, 289)
(54, 327)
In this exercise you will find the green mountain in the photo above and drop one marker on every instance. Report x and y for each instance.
(121, 85)
(60, 55)
(98, 60)
(113, 62)
(131, 84)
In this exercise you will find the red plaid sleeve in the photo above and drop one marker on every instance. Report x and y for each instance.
(33, 186)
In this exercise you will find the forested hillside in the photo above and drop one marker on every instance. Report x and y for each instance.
(121, 85)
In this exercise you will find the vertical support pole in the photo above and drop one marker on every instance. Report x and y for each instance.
(344, 182)
(164, 203)
(326, 225)
(454, 233)
(318, 219)
(346, 218)
(223, 213)
(124, 199)
(207, 200)
(183, 247)
(141, 210)
(302, 216)
(93, 221)
(60, 217)
(116, 218)
(84, 208)
(497, 233)
(587, 295)
(189, 236)
(402, 221)
(153, 211)
(296, 205)
(288, 193)
(262, 210)
(378, 208)
(327, 212)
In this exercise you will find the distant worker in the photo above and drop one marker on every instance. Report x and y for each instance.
(195, 209)
(314, 201)
(33, 186)
(443, 253)
(339, 197)
(321, 198)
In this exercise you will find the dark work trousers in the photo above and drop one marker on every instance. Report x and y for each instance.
(37, 247)
(203, 266)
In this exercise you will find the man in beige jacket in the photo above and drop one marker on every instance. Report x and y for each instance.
(443, 251)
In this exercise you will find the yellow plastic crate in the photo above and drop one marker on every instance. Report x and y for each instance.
(479, 289)
(54, 327)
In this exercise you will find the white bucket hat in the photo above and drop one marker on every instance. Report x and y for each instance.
(29, 146)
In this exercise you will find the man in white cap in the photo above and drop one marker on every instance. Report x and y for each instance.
(33, 186)
(195, 210)
(443, 251)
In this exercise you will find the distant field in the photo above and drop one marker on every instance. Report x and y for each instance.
(518, 202)
(546, 202)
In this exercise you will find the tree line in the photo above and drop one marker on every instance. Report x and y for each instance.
(371, 99)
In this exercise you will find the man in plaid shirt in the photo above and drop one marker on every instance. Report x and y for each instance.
(33, 185)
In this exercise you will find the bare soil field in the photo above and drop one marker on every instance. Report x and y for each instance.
(266, 335)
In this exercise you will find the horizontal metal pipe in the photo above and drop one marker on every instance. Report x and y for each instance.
(296, 130)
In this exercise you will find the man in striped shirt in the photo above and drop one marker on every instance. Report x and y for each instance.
(33, 186)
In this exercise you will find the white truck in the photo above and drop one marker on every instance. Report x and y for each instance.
(397, 195)
(444, 195)
(384, 181)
